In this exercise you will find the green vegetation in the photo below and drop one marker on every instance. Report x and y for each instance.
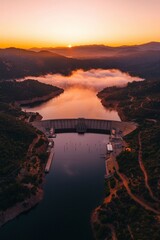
(11, 91)
(11, 109)
(22, 159)
(124, 213)
(15, 139)
(22, 147)
(151, 154)
(139, 102)
(20, 136)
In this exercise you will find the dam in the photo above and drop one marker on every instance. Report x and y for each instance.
(83, 125)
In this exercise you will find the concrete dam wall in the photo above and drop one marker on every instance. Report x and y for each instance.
(82, 125)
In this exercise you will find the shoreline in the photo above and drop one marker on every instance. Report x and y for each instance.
(21, 207)
(28, 203)
(40, 99)
(135, 183)
(94, 215)
(115, 106)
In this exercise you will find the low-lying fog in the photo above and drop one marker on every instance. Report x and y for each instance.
(79, 98)
(96, 79)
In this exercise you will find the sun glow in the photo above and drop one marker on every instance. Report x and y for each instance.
(49, 23)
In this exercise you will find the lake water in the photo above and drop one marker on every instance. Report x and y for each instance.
(75, 102)
(75, 184)
(79, 98)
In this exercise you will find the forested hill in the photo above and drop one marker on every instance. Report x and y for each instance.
(22, 147)
(132, 204)
(138, 101)
(11, 91)
(17, 63)
(143, 61)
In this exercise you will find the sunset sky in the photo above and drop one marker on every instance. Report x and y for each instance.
(50, 23)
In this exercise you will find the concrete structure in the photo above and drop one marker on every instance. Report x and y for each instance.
(82, 125)
(49, 162)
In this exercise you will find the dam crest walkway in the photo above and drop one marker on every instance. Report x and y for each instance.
(83, 125)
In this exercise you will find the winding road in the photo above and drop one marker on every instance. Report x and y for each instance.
(143, 169)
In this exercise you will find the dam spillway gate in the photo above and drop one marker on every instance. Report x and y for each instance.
(83, 125)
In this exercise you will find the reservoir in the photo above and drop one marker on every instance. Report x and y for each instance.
(79, 99)
(75, 184)
(75, 102)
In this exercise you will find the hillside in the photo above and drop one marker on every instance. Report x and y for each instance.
(99, 51)
(17, 63)
(27, 91)
(22, 147)
(131, 209)
(138, 101)
(141, 60)
(22, 162)
(15, 139)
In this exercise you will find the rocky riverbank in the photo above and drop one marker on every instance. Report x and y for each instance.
(21, 207)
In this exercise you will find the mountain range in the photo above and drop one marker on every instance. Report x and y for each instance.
(142, 60)
(99, 51)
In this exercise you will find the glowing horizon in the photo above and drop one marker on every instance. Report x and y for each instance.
(57, 23)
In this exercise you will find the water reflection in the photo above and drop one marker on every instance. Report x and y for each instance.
(75, 184)
(79, 98)
(75, 102)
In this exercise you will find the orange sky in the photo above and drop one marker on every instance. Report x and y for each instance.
(49, 23)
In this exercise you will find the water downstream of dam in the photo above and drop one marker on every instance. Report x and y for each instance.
(75, 184)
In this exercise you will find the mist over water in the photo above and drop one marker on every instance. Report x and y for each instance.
(95, 79)
(79, 98)
(75, 185)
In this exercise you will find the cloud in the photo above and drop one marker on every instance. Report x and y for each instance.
(96, 79)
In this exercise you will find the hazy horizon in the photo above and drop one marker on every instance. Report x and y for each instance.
(52, 23)
(82, 45)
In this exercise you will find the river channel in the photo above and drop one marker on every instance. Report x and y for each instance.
(75, 183)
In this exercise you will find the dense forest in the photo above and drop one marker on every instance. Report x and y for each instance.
(22, 147)
(15, 139)
(11, 91)
(132, 205)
